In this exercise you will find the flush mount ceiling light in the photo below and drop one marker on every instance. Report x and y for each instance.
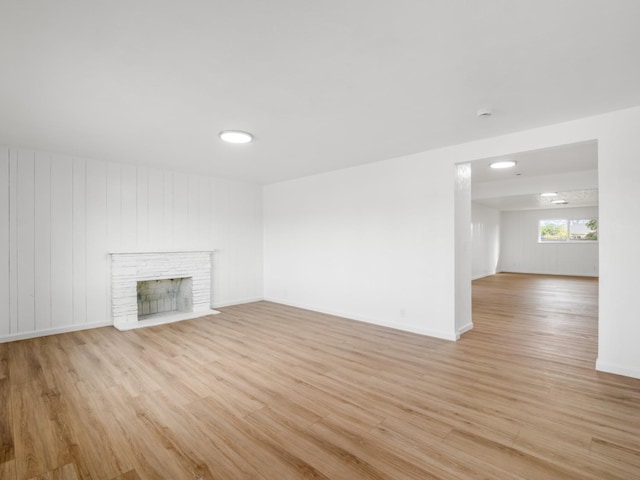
(559, 202)
(235, 136)
(503, 164)
(549, 194)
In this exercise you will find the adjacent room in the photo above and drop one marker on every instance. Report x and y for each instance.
(268, 240)
(531, 212)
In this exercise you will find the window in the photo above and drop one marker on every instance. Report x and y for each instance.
(585, 229)
(562, 230)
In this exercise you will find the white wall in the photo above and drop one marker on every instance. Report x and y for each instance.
(59, 216)
(485, 231)
(366, 242)
(463, 252)
(619, 198)
(522, 253)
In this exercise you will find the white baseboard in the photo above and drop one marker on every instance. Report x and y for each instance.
(608, 367)
(541, 272)
(464, 329)
(482, 275)
(360, 318)
(52, 331)
(237, 302)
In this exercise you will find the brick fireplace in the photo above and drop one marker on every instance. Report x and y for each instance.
(151, 288)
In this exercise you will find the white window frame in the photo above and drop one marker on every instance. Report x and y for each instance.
(567, 222)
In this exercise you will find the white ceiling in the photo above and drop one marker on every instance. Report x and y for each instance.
(575, 157)
(322, 84)
(541, 168)
(533, 201)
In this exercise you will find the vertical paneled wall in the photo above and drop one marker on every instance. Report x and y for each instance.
(60, 216)
(485, 232)
(521, 252)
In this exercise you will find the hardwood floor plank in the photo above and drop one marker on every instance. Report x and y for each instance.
(324, 456)
(36, 445)
(509, 458)
(548, 446)
(66, 472)
(619, 453)
(425, 444)
(8, 470)
(265, 391)
(130, 475)
(271, 458)
(340, 432)
(7, 450)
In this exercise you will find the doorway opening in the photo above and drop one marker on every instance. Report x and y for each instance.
(500, 217)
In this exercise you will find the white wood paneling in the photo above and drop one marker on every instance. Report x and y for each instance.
(142, 208)
(114, 205)
(155, 209)
(167, 193)
(60, 216)
(97, 271)
(5, 285)
(521, 252)
(42, 240)
(204, 213)
(25, 238)
(485, 229)
(180, 231)
(13, 240)
(61, 241)
(79, 241)
(192, 207)
(220, 200)
(129, 204)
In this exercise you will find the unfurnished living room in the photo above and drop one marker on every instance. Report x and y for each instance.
(329, 240)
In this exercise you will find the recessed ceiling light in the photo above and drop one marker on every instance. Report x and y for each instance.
(549, 194)
(559, 202)
(235, 136)
(503, 164)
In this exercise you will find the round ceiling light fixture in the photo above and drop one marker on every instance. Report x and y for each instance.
(503, 164)
(235, 136)
(559, 202)
(484, 112)
(549, 194)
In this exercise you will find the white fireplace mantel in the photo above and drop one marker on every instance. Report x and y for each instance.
(129, 268)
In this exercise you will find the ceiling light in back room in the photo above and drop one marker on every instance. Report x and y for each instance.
(503, 164)
(559, 202)
(549, 194)
(235, 136)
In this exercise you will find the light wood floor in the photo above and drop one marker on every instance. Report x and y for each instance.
(264, 391)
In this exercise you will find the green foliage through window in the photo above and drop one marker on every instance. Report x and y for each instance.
(553, 230)
(586, 229)
(561, 230)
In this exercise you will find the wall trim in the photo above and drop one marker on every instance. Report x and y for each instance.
(237, 302)
(553, 273)
(360, 318)
(53, 331)
(608, 367)
(464, 329)
(483, 275)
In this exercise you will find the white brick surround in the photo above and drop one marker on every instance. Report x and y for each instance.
(127, 269)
